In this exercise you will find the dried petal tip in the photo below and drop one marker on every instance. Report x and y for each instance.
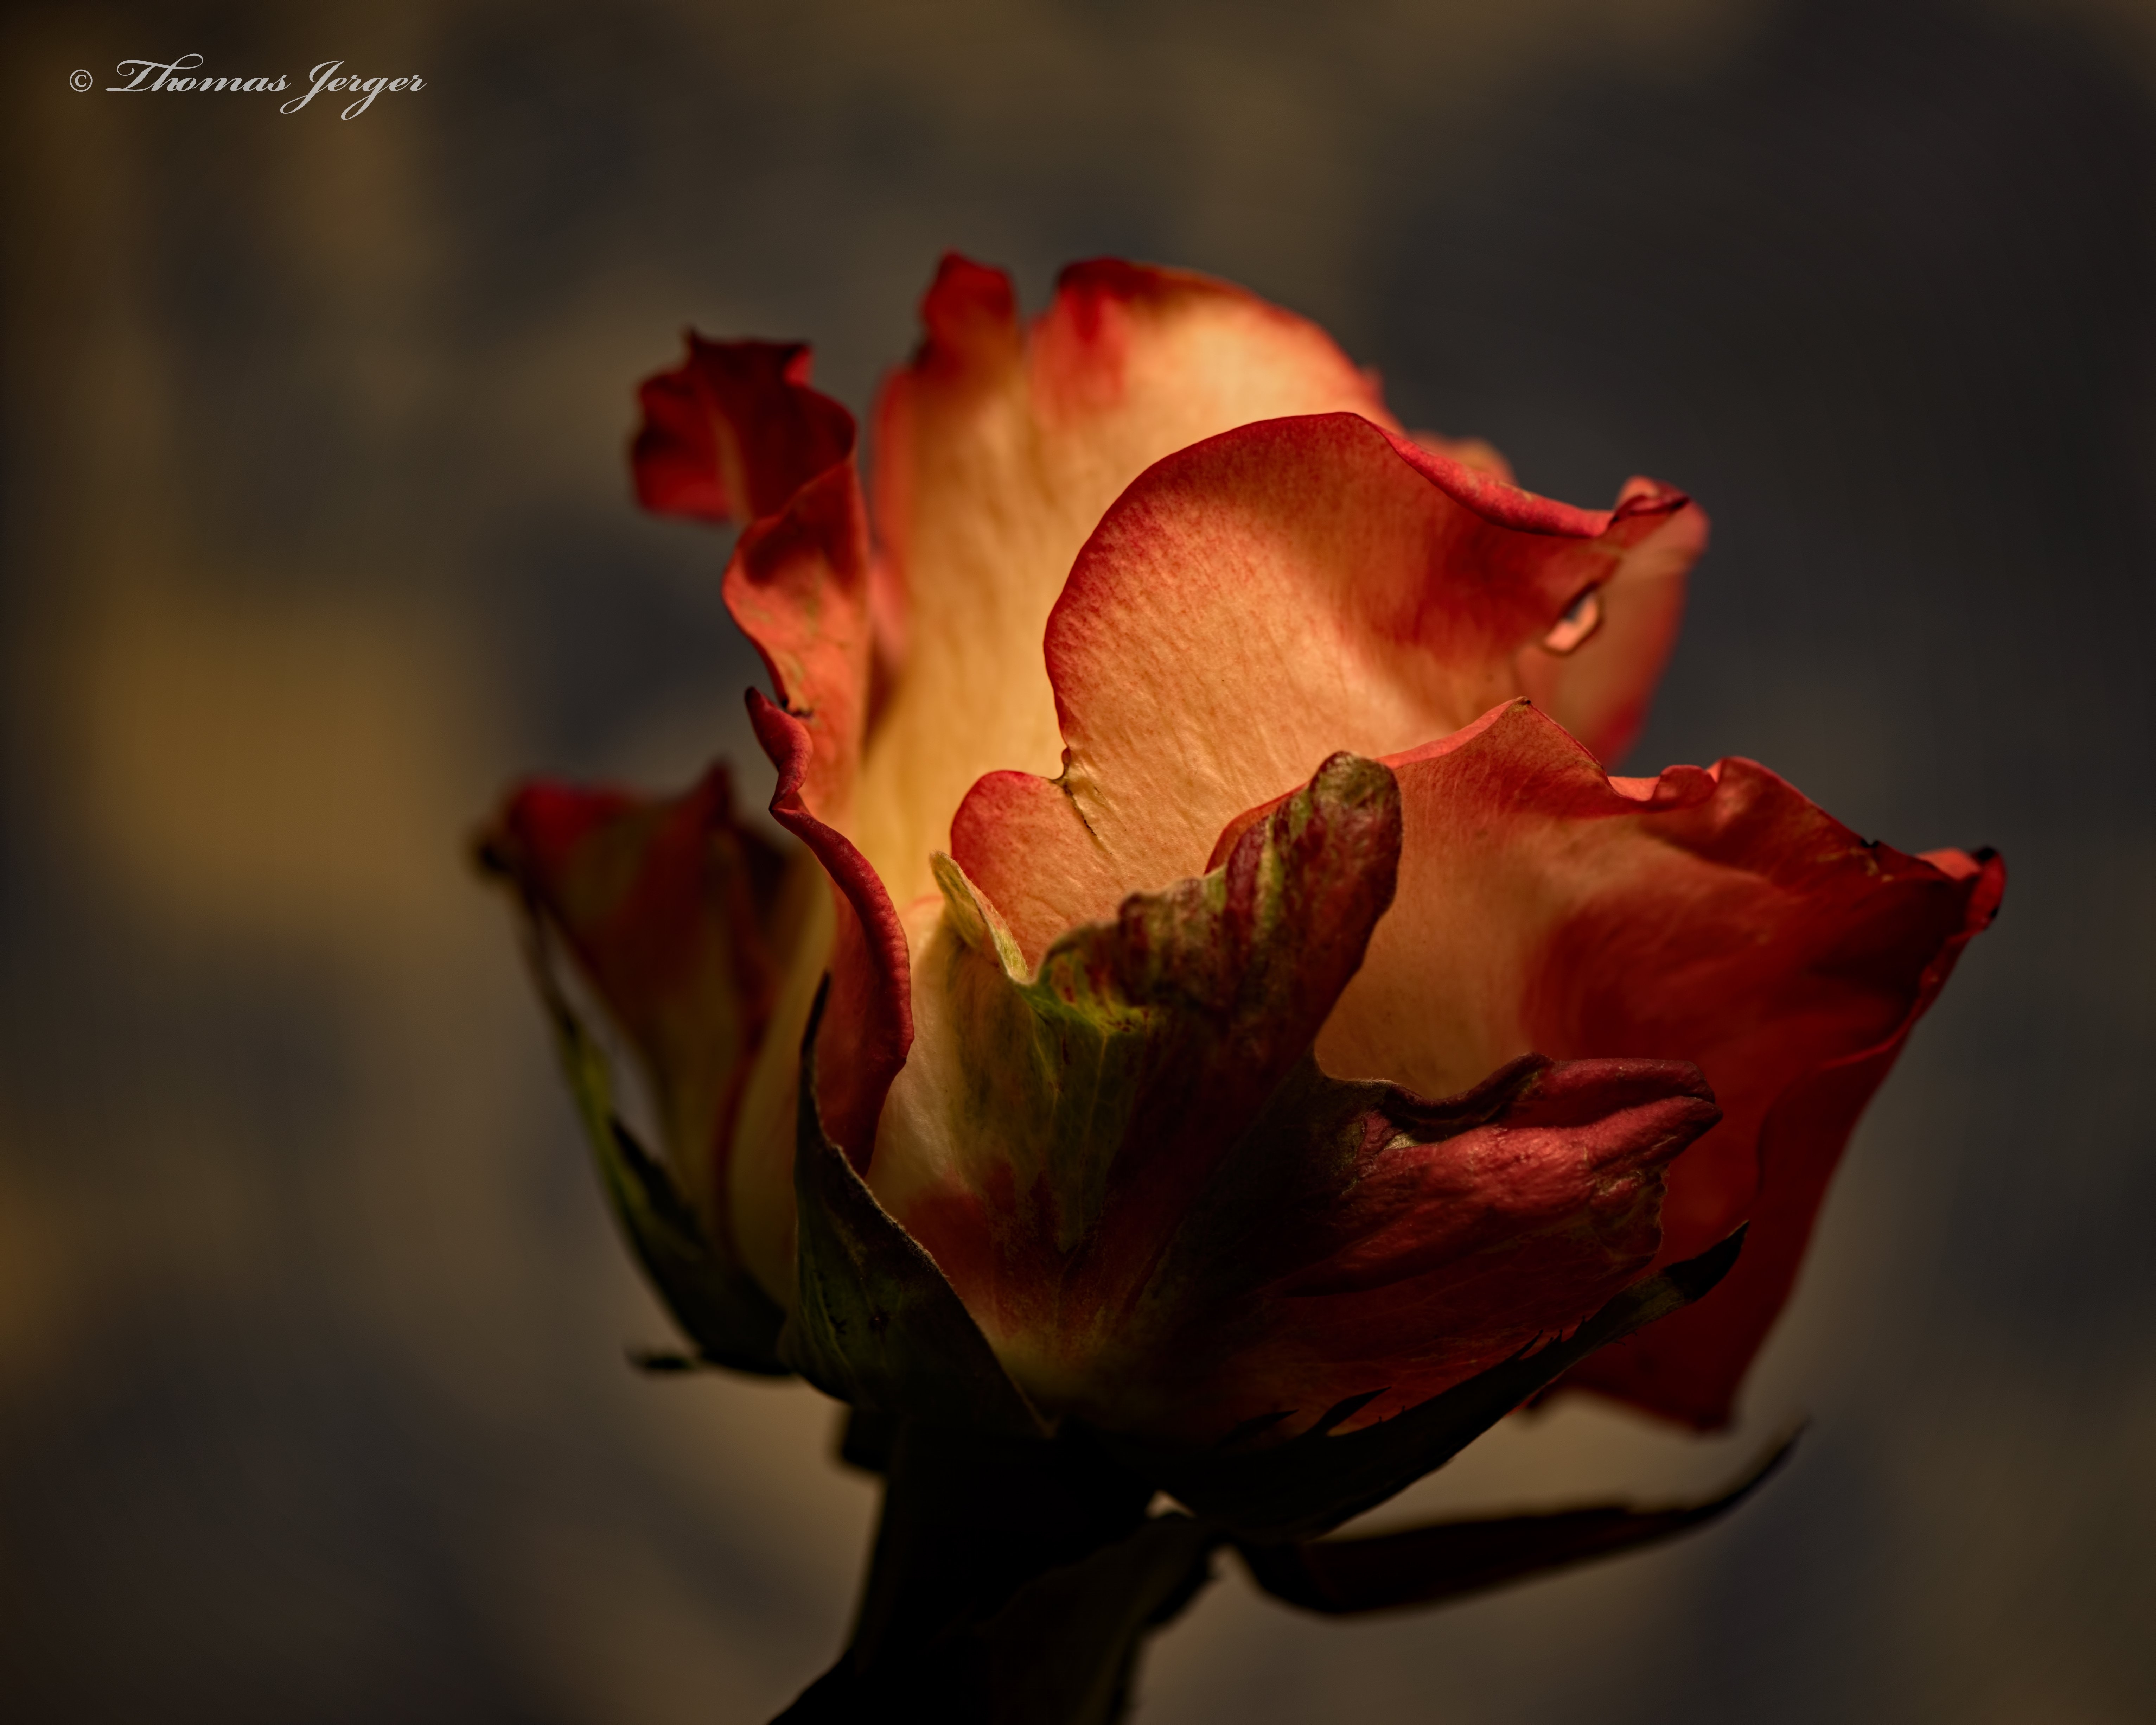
(734, 431)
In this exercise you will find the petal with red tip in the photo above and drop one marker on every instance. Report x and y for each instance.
(1692, 1372)
(1252, 603)
(1596, 673)
(735, 431)
(1599, 689)
(997, 450)
(1715, 917)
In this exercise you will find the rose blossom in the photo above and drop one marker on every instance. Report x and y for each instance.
(1247, 984)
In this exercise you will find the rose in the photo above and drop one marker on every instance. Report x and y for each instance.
(1254, 1004)
(1215, 1017)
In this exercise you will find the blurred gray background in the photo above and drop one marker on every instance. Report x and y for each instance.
(313, 1404)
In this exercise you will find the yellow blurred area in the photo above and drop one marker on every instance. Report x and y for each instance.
(288, 770)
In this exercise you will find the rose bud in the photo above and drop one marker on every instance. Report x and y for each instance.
(1253, 1009)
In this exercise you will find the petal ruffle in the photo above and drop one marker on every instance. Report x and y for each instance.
(998, 450)
(1131, 1170)
(682, 921)
(1599, 690)
(1712, 916)
(1598, 686)
(734, 433)
(1253, 602)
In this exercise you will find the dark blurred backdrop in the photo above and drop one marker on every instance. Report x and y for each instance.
(313, 1404)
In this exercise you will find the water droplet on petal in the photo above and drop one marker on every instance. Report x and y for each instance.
(1576, 625)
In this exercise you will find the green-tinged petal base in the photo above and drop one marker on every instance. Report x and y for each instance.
(876, 1323)
(730, 1319)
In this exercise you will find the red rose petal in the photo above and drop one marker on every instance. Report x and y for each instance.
(1715, 916)
(1691, 1367)
(735, 431)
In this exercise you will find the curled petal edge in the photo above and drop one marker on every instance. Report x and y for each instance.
(736, 434)
(1180, 650)
(870, 1022)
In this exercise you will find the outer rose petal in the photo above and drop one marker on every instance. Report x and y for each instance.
(997, 451)
(736, 432)
(1169, 1221)
(682, 921)
(1252, 603)
(1715, 916)
(1692, 1372)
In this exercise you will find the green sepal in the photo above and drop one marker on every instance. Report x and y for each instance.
(1422, 1566)
(1314, 1481)
(728, 1318)
(876, 1324)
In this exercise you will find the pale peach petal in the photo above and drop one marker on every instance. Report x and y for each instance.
(1249, 606)
(997, 453)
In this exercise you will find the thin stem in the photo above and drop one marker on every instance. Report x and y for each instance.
(968, 1523)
